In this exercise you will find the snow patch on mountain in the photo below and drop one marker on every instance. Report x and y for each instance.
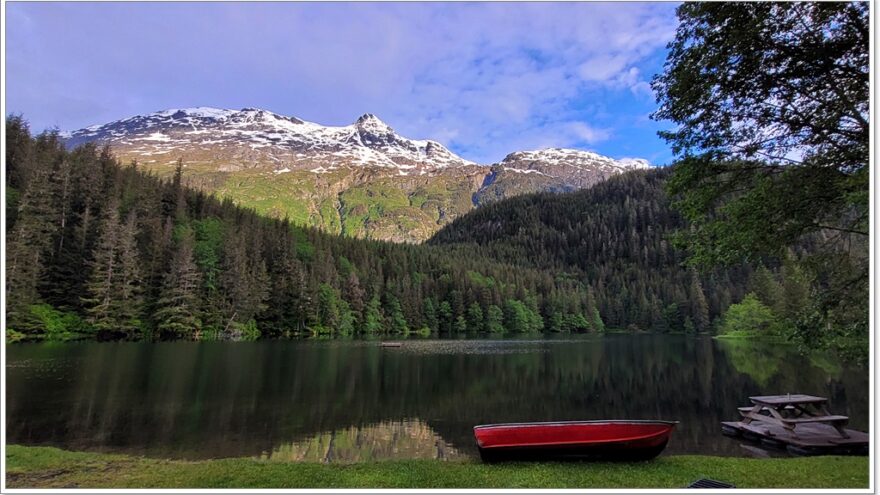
(270, 138)
(255, 138)
(566, 157)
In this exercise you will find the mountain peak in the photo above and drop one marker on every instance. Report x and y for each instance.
(258, 138)
(195, 112)
(369, 122)
(574, 157)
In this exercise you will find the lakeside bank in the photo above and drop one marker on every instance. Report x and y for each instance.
(49, 467)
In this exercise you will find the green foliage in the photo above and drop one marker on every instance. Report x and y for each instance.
(579, 323)
(305, 251)
(197, 267)
(345, 266)
(770, 102)
(208, 246)
(246, 331)
(519, 318)
(432, 320)
(57, 325)
(373, 317)
(12, 198)
(113, 299)
(475, 321)
(765, 287)
(598, 324)
(749, 317)
(13, 336)
(396, 321)
(479, 280)
(178, 315)
(607, 249)
(494, 319)
(444, 315)
(328, 307)
(347, 319)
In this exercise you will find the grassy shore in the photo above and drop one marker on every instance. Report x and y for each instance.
(47, 467)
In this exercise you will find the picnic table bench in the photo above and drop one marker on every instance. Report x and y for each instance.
(791, 410)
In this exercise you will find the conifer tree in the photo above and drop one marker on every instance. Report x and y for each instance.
(494, 319)
(765, 286)
(699, 308)
(28, 248)
(102, 288)
(373, 318)
(128, 305)
(475, 318)
(177, 314)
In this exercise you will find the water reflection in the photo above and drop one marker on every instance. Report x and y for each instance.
(408, 439)
(206, 400)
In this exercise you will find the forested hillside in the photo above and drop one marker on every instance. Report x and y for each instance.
(361, 180)
(100, 249)
(615, 236)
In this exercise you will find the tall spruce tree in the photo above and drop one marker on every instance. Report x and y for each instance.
(177, 313)
(699, 307)
(28, 248)
(102, 287)
(129, 303)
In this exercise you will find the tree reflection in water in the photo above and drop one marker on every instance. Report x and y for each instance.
(215, 399)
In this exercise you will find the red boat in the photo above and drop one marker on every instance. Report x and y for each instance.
(603, 439)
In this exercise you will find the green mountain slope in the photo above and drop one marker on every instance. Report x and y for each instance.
(362, 180)
(101, 250)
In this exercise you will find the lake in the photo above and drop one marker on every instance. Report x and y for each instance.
(357, 401)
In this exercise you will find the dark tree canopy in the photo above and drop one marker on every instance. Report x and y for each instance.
(770, 104)
(97, 249)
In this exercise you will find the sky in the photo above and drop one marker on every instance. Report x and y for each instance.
(484, 79)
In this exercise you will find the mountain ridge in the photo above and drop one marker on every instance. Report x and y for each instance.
(363, 179)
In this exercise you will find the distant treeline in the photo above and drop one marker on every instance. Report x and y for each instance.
(102, 249)
(615, 237)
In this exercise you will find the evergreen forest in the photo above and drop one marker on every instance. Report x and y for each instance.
(100, 249)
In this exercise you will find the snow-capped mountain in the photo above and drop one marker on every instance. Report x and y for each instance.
(248, 138)
(362, 179)
(545, 160)
(550, 169)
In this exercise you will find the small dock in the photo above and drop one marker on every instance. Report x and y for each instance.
(811, 439)
(391, 344)
(798, 423)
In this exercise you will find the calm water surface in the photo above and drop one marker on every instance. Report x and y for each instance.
(354, 400)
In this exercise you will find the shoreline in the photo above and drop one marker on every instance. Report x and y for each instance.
(50, 467)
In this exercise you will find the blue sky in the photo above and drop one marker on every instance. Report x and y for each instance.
(485, 79)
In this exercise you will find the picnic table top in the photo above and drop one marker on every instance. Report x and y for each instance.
(782, 400)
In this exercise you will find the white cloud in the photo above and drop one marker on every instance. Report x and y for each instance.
(602, 67)
(484, 78)
(587, 133)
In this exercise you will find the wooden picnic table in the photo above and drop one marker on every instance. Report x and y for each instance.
(790, 410)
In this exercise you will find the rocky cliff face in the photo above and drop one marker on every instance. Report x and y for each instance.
(552, 169)
(362, 180)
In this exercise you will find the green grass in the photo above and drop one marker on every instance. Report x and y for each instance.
(292, 195)
(397, 208)
(47, 467)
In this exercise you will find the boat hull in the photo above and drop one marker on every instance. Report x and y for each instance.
(601, 440)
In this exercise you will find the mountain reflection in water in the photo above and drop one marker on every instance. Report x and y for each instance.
(197, 400)
(408, 439)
